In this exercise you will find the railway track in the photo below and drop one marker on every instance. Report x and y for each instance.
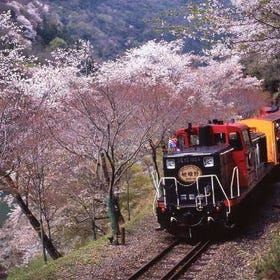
(172, 262)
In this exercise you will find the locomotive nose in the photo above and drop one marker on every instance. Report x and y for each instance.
(189, 217)
(192, 219)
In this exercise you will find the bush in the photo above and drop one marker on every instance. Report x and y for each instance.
(57, 43)
(268, 266)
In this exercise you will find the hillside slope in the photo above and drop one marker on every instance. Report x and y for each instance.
(111, 25)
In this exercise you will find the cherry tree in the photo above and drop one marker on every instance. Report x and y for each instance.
(238, 26)
(105, 117)
(104, 121)
(20, 170)
(155, 70)
(190, 79)
(44, 86)
(223, 85)
(226, 28)
(19, 111)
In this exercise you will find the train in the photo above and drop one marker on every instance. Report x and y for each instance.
(210, 171)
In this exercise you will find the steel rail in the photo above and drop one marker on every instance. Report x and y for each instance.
(186, 261)
(158, 257)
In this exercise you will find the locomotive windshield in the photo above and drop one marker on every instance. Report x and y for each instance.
(246, 137)
(193, 141)
(181, 142)
(235, 140)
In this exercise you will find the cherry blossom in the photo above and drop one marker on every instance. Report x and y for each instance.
(192, 78)
(246, 27)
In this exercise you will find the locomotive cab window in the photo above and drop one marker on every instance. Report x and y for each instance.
(235, 140)
(246, 137)
(181, 142)
(194, 140)
(220, 138)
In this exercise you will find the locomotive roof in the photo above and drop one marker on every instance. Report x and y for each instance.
(200, 151)
(268, 117)
(271, 117)
(233, 125)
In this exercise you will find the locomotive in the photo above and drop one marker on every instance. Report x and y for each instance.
(210, 170)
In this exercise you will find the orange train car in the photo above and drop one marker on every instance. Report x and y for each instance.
(270, 126)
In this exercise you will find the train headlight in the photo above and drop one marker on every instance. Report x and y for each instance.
(170, 164)
(208, 161)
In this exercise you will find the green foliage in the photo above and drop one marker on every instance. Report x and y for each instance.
(268, 71)
(269, 265)
(57, 43)
(37, 269)
(138, 189)
(4, 209)
(111, 26)
(52, 28)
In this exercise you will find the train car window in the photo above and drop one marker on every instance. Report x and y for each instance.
(235, 140)
(246, 137)
(277, 130)
(277, 134)
(220, 138)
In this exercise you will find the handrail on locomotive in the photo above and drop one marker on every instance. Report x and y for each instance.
(200, 197)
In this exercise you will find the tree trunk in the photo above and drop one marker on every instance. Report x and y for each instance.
(54, 254)
(105, 168)
(154, 156)
(93, 228)
(9, 185)
(114, 219)
(112, 202)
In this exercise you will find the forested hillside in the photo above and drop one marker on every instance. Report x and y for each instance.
(111, 25)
